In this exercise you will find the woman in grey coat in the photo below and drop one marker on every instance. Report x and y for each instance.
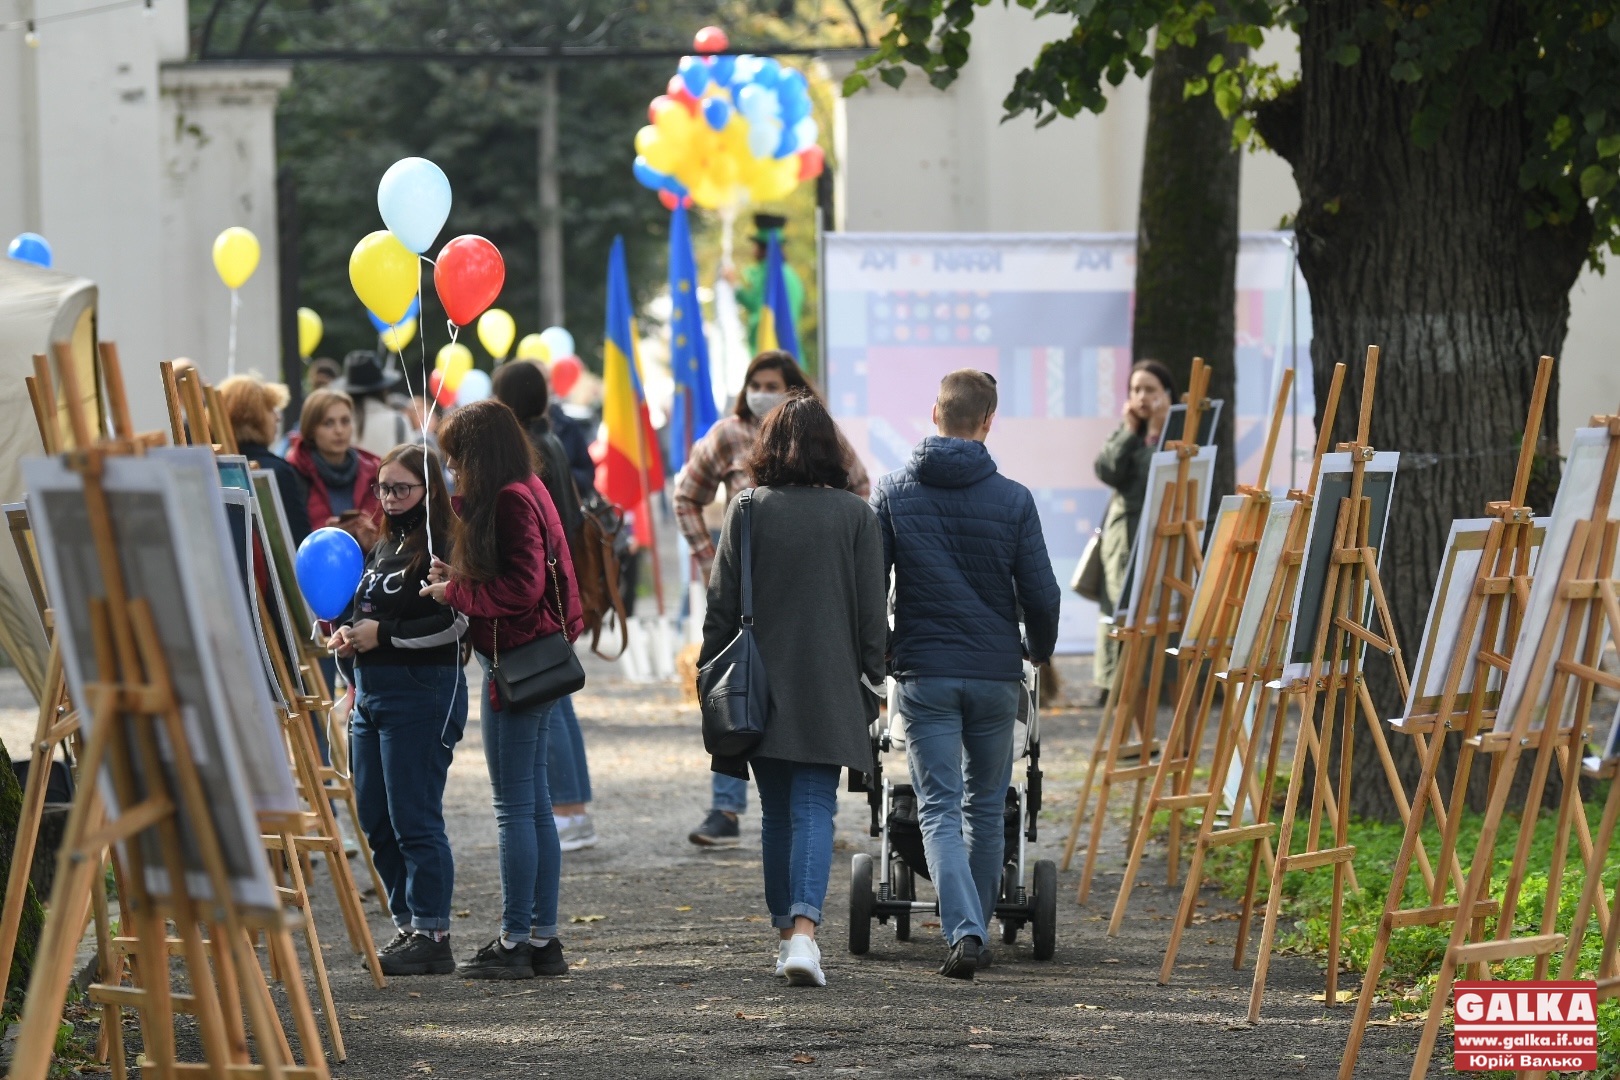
(821, 623)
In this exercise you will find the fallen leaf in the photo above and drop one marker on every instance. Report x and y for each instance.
(1341, 996)
(978, 1046)
(615, 986)
(587, 918)
(684, 907)
(803, 1059)
(933, 924)
(1241, 1025)
(980, 1031)
(581, 962)
(750, 1016)
(463, 914)
(416, 993)
(357, 1016)
(1082, 1005)
(1112, 960)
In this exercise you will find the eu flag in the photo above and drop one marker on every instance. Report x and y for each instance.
(693, 411)
(776, 329)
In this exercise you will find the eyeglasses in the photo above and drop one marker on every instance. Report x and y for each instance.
(394, 491)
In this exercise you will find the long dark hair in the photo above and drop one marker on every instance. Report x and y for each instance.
(775, 360)
(426, 467)
(521, 387)
(799, 445)
(490, 451)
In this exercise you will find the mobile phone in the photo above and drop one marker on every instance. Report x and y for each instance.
(348, 515)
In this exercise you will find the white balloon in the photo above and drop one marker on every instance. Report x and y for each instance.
(558, 340)
(475, 386)
(805, 133)
(763, 137)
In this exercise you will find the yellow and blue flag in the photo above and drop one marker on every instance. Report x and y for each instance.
(693, 411)
(776, 329)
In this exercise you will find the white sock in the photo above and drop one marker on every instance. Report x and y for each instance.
(510, 942)
(540, 942)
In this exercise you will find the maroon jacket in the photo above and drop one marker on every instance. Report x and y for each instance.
(319, 503)
(521, 597)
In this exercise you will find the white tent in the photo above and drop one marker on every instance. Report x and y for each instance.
(38, 309)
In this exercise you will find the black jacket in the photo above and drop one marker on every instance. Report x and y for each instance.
(558, 477)
(294, 495)
(411, 628)
(577, 447)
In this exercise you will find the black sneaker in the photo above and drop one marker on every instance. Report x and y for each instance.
(420, 955)
(963, 959)
(496, 961)
(719, 829)
(984, 957)
(400, 937)
(548, 960)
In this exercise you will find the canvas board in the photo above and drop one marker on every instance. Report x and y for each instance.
(1142, 595)
(1216, 556)
(1459, 568)
(1577, 496)
(1333, 485)
(283, 553)
(22, 538)
(1209, 420)
(1234, 766)
(1267, 565)
(153, 517)
(1611, 745)
(282, 624)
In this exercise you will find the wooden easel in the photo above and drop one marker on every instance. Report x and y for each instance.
(1585, 607)
(1251, 675)
(1493, 614)
(1204, 651)
(1174, 562)
(134, 712)
(205, 418)
(1351, 587)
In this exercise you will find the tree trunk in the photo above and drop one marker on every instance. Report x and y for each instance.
(1187, 231)
(33, 916)
(1424, 252)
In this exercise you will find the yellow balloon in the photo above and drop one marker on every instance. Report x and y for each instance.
(453, 363)
(395, 338)
(385, 275)
(533, 347)
(496, 331)
(647, 138)
(236, 256)
(310, 329)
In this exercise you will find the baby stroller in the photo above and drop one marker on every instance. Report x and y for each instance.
(901, 859)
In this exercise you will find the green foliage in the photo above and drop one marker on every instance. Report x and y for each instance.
(33, 914)
(1415, 953)
(1561, 72)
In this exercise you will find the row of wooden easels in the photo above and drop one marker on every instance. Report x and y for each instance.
(133, 715)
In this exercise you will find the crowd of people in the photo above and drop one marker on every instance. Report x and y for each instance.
(470, 555)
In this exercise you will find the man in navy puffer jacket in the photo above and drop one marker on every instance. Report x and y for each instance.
(969, 560)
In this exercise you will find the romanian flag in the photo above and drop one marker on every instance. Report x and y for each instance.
(776, 329)
(693, 412)
(631, 467)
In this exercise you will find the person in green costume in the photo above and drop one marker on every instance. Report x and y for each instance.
(750, 282)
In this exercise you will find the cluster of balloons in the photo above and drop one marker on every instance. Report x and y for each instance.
(728, 128)
(30, 247)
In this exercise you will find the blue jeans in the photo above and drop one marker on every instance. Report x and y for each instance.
(565, 758)
(531, 858)
(959, 747)
(405, 722)
(797, 804)
(730, 793)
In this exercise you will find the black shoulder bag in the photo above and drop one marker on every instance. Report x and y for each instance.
(541, 670)
(732, 687)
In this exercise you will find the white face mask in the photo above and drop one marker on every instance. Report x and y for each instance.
(761, 402)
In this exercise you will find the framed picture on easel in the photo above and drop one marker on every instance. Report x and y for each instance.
(1209, 421)
(1161, 477)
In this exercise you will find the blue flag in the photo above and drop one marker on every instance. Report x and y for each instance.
(694, 411)
(776, 329)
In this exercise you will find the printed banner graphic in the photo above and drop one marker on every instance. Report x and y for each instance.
(1523, 1026)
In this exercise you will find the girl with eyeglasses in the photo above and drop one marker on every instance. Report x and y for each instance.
(410, 710)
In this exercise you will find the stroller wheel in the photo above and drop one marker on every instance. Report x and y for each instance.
(862, 901)
(1009, 895)
(1044, 905)
(905, 888)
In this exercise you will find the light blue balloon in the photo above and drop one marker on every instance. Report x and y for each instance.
(328, 566)
(769, 73)
(758, 103)
(30, 247)
(805, 133)
(763, 137)
(475, 386)
(744, 68)
(414, 197)
(558, 340)
(695, 74)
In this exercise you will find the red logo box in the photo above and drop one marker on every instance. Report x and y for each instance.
(1520, 1026)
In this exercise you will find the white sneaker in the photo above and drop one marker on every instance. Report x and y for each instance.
(803, 964)
(781, 957)
(576, 832)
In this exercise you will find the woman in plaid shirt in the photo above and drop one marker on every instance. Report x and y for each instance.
(721, 457)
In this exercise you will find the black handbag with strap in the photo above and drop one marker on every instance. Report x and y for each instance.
(544, 669)
(732, 688)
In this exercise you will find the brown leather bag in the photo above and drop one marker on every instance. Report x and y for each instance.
(596, 568)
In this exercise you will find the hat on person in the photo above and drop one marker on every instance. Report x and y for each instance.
(362, 374)
(768, 225)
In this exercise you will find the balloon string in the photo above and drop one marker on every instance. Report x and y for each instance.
(230, 352)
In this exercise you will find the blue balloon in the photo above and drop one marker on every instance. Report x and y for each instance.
(30, 247)
(794, 109)
(722, 68)
(717, 111)
(414, 197)
(805, 134)
(695, 74)
(647, 176)
(769, 73)
(329, 565)
(794, 82)
(410, 313)
(787, 144)
(675, 187)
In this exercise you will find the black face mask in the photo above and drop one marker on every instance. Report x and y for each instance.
(407, 521)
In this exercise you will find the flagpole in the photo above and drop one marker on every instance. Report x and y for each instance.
(647, 505)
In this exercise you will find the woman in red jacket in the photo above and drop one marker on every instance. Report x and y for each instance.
(340, 475)
(511, 575)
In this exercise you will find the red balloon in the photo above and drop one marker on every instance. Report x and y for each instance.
(565, 372)
(669, 200)
(445, 396)
(677, 91)
(812, 160)
(711, 39)
(468, 277)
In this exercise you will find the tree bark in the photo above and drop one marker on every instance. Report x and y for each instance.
(1424, 252)
(1187, 232)
(33, 915)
